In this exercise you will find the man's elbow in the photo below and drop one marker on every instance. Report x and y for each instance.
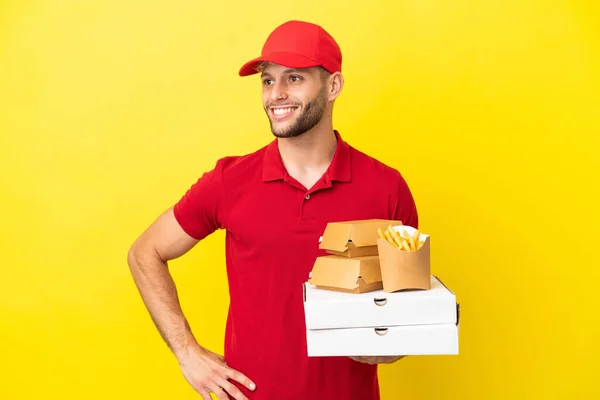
(133, 255)
(143, 253)
(136, 254)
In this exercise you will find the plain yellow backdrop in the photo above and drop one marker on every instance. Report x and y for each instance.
(110, 109)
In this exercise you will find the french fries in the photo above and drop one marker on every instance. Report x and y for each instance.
(404, 242)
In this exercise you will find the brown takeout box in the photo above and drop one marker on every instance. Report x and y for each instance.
(352, 275)
(402, 270)
(354, 238)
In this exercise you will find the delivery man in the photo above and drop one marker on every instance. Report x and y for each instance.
(273, 204)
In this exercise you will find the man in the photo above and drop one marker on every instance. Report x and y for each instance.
(274, 205)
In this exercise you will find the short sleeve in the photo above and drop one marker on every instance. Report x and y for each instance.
(197, 211)
(403, 204)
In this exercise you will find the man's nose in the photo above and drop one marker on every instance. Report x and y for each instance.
(278, 91)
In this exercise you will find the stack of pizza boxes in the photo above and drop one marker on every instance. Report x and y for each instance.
(373, 294)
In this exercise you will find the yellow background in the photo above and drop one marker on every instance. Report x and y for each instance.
(110, 109)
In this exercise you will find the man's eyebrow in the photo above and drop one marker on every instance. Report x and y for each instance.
(287, 71)
(296, 70)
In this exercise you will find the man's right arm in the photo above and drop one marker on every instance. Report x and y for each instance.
(148, 258)
(162, 241)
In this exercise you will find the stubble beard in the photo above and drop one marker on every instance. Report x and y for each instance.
(309, 117)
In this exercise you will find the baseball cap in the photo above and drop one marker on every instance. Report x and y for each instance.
(298, 44)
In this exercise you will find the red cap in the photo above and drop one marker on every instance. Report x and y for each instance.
(298, 44)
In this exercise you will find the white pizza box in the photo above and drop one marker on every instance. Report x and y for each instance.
(413, 340)
(329, 309)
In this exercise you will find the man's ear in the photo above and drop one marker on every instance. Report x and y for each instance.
(335, 84)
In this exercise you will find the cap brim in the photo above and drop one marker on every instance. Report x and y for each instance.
(289, 60)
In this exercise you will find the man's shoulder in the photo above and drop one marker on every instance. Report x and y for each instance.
(241, 163)
(371, 165)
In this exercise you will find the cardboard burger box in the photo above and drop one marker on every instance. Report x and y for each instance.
(343, 274)
(377, 323)
(354, 238)
(353, 263)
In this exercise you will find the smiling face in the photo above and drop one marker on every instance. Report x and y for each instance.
(294, 100)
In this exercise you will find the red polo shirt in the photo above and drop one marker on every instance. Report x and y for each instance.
(273, 225)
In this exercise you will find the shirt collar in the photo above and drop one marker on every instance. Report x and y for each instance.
(339, 169)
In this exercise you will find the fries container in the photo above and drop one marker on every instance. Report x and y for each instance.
(404, 270)
(353, 238)
(416, 322)
(352, 275)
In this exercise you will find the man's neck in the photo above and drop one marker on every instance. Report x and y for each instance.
(307, 157)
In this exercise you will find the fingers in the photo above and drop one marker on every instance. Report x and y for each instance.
(205, 395)
(233, 391)
(367, 360)
(219, 392)
(377, 359)
(208, 373)
(221, 395)
(241, 378)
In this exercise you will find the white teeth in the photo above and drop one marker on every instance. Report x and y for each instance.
(281, 111)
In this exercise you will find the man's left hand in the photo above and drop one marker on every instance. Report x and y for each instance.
(377, 359)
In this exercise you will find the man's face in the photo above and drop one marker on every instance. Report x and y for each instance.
(294, 99)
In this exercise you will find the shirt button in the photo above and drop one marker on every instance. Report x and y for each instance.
(307, 197)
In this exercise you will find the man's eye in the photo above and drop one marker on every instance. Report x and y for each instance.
(295, 78)
(267, 81)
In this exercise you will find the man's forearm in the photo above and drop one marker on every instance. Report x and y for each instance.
(159, 294)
